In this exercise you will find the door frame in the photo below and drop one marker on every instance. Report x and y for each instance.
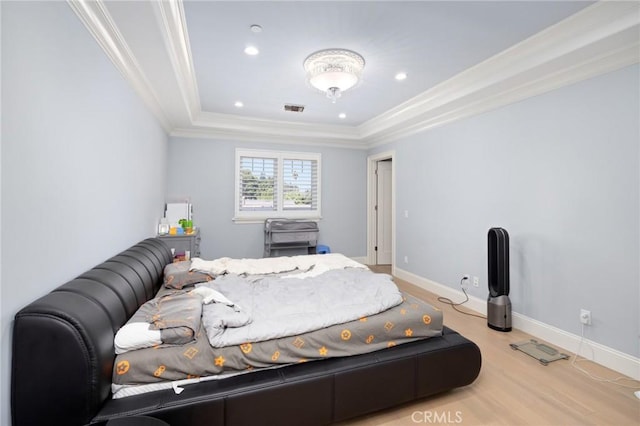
(372, 160)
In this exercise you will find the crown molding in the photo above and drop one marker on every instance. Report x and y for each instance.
(284, 129)
(96, 18)
(233, 127)
(535, 85)
(260, 136)
(601, 38)
(171, 18)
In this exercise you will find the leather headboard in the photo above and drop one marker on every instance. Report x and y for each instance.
(63, 353)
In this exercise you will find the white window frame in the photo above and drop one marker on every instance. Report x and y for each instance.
(279, 212)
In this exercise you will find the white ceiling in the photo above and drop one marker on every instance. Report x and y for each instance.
(431, 41)
(186, 60)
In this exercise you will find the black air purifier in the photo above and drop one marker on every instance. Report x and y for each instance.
(498, 305)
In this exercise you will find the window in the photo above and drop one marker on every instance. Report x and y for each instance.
(277, 184)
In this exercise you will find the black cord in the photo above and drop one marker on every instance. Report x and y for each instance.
(454, 305)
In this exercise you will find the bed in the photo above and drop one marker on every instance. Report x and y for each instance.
(65, 366)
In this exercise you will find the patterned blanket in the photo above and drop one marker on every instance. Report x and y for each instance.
(172, 318)
(411, 320)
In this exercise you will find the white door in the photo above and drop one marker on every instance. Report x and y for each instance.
(383, 212)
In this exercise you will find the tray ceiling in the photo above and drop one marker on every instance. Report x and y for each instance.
(186, 60)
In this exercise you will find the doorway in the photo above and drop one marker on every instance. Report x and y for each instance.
(381, 209)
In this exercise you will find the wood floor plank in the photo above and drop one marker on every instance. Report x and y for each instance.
(514, 388)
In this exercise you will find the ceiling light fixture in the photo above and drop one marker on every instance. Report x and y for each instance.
(333, 71)
(238, 104)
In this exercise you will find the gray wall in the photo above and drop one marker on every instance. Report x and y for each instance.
(204, 170)
(560, 172)
(83, 161)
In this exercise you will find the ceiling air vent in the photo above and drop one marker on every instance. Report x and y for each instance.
(294, 108)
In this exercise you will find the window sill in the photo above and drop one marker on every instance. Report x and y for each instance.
(249, 220)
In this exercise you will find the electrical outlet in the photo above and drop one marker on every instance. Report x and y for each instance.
(464, 282)
(476, 281)
(585, 317)
(406, 259)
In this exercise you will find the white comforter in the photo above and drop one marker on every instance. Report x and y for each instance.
(312, 265)
(281, 307)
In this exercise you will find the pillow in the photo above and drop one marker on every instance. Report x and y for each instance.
(136, 335)
(177, 275)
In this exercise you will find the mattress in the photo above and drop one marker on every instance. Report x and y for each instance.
(175, 366)
(161, 368)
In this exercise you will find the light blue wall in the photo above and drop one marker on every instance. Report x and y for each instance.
(204, 170)
(560, 172)
(83, 161)
(84, 175)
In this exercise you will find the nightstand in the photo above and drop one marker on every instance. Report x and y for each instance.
(181, 244)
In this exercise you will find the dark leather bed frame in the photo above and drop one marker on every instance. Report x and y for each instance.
(63, 356)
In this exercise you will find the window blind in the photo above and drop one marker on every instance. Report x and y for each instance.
(277, 184)
(258, 184)
(300, 184)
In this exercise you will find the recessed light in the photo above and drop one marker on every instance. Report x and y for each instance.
(342, 115)
(238, 104)
(256, 28)
(251, 50)
(401, 76)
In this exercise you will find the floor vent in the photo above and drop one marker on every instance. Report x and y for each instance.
(294, 108)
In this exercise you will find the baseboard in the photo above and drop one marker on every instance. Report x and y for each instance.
(475, 304)
(608, 357)
(360, 259)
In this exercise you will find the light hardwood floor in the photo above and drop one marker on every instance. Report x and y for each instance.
(514, 388)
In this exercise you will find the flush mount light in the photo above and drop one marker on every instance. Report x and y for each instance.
(401, 76)
(333, 71)
(251, 50)
(342, 115)
(238, 104)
